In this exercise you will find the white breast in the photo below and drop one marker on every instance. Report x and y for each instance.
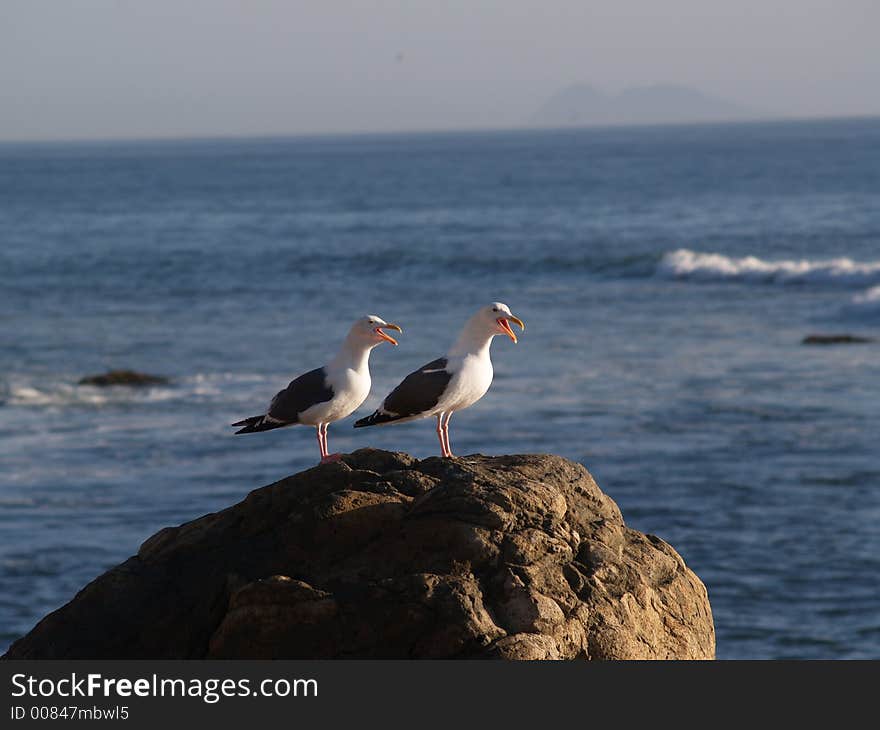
(470, 381)
(350, 390)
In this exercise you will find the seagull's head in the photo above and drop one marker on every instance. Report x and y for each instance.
(369, 330)
(497, 318)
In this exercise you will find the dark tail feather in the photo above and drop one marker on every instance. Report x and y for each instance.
(257, 423)
(375, 419)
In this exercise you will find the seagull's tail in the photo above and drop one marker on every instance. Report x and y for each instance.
(377, 418)
(258, 423)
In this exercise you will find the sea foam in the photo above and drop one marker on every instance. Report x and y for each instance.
(867, 303)
(842, 272)
(30, 391)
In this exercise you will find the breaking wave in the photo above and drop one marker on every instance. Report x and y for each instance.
(840, 272)
(30, 392)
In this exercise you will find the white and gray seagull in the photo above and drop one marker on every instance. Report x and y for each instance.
(451, 383)
(326, 394)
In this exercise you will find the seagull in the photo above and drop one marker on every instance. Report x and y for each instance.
(321, 396)
(451, 383)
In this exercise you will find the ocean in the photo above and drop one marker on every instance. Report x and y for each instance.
(666, 276)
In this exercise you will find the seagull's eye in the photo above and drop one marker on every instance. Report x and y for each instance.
(494, 309)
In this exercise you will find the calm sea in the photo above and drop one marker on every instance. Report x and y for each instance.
(666, 277)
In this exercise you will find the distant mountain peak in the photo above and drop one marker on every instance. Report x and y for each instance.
(584, 105)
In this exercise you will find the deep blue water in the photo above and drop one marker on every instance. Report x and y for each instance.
(675, 376)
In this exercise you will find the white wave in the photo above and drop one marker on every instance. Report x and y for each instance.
(26, 391)
(867, 303)
(870, 297)
(53, 395)
(843, 272)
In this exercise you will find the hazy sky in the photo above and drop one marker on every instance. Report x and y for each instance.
(158, 68)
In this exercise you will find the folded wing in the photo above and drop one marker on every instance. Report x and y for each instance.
(416, 396)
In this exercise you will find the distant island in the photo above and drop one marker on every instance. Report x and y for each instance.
(584, 105)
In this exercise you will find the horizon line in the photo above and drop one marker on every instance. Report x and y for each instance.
(518, 128)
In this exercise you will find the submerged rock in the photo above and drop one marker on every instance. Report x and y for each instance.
(835, 340)
(383, 556)
(123, 377)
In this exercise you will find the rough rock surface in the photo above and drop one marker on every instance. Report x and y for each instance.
(123, 377)
(384, 556)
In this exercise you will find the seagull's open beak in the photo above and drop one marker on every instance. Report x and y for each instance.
(388, 338)
(505, 325)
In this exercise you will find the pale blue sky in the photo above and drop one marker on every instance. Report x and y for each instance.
(159, 68)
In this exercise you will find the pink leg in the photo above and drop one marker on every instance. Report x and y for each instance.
(446, 434)
(443, 451)
(327, 457)
(321, 442)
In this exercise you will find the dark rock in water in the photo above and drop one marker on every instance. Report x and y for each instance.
(834, 340)
(123, 377)
(383, 556)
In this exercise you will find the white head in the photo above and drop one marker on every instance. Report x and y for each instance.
(368, 331)
(495, 319)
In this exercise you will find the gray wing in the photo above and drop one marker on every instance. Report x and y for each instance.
(302, 393)
(418, 393)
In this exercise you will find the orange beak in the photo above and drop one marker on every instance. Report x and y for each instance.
(388, 338)
(505, 325)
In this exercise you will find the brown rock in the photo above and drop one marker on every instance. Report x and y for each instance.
(383, 556)
(123, 377)
(835, 340)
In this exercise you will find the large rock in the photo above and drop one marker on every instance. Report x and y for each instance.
(384, 556)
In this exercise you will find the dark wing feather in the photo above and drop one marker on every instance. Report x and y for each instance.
(420, 391)
(302, 393)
